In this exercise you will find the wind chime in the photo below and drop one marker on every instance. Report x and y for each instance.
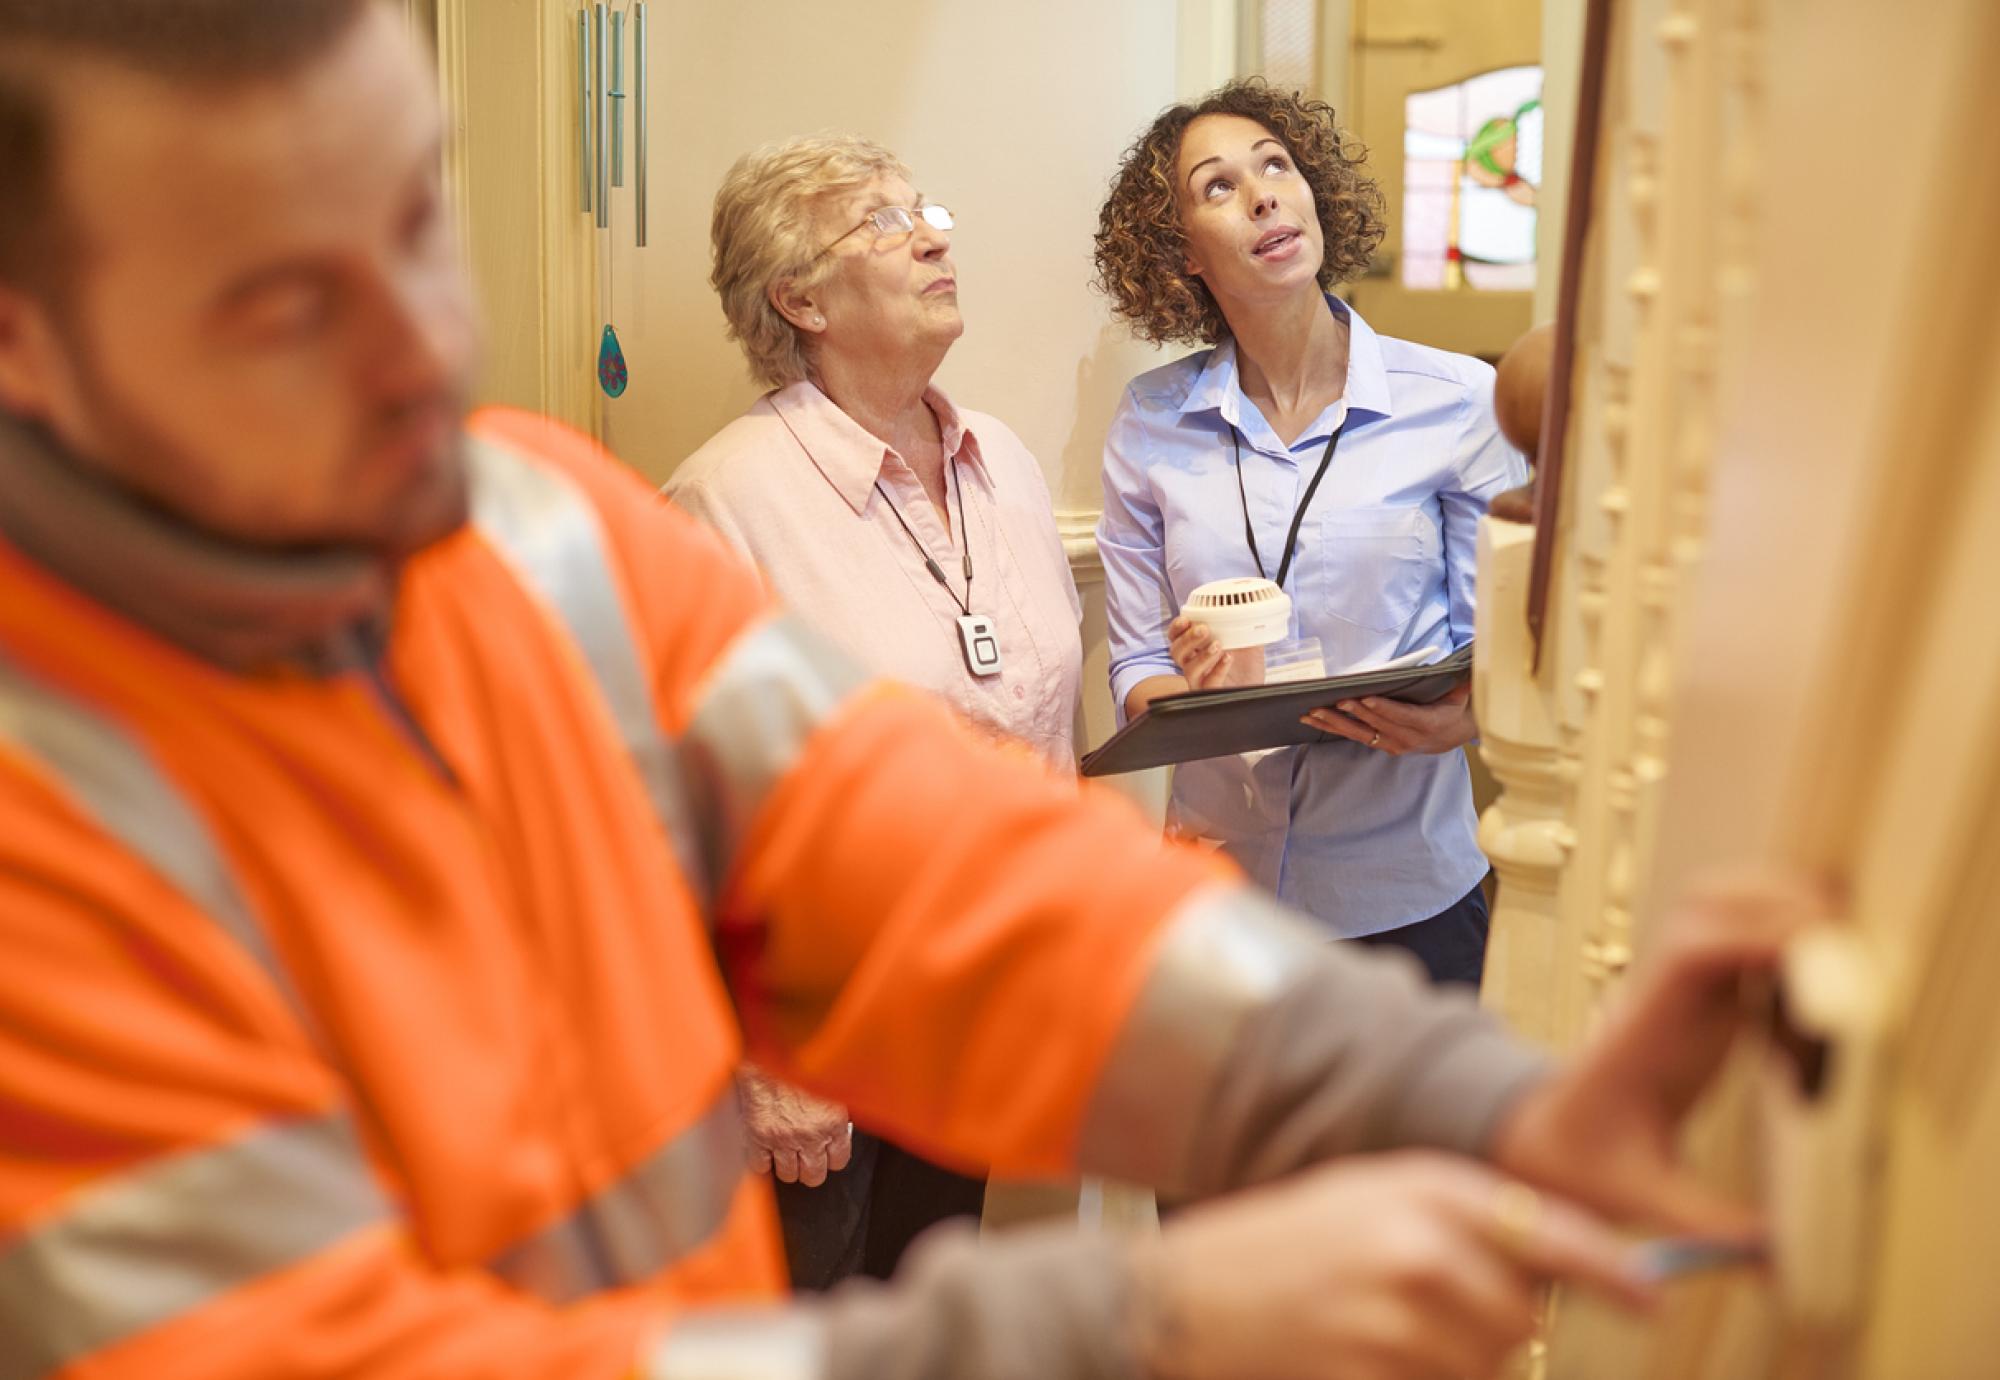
(600, 46)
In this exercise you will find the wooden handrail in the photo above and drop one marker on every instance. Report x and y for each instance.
(1554, 430)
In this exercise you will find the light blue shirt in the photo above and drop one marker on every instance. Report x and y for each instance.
(1366, 841)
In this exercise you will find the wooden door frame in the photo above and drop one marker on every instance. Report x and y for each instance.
(518, 207)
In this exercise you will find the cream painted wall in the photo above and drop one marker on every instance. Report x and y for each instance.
(1012, 115)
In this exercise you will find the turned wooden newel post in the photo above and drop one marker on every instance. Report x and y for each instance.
(1523, 387)
(1522, 832)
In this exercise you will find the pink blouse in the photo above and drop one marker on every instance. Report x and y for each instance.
(792, 484)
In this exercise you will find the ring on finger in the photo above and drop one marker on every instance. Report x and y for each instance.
(1517, 1217)
(1376, 741)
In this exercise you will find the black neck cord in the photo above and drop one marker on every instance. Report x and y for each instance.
(964, 538)
(1298, 514)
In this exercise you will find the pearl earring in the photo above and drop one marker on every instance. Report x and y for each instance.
(819, 321)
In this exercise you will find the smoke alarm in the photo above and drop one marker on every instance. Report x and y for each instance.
(1242, 612)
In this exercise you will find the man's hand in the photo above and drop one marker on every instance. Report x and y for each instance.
(1604, 1130)
(1396, 728)
(798, 1138)
(1413, 1264)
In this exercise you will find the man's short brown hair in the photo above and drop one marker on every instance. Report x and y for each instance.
(216, 43)
(1142, 249)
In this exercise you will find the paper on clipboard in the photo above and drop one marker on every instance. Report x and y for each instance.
(1422, 656)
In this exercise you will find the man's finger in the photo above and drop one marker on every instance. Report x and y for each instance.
(841, 1153)
(785, 1165)
(1554, 1239)
(760, 1160)
(1430, 1336)
(1687, 998)
(1679, 1203)
(1495, 1303)
(1746, 921)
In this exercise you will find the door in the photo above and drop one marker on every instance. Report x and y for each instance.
(1774, 637)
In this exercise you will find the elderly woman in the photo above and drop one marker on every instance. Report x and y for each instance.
(918, 535)
(1301, 446)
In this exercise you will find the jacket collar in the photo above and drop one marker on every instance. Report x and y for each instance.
(237, 607)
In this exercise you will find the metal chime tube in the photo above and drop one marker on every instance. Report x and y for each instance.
(639, 66)
(583, 122)
(618, 98)
(599, 28)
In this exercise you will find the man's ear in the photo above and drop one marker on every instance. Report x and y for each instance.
(30, 355)
(800, 308)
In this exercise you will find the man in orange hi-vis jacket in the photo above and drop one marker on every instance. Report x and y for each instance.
(407, 826)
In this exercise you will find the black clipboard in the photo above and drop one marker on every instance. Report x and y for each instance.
(1221, 723)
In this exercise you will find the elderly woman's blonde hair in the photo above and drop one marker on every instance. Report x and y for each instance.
(764, 232)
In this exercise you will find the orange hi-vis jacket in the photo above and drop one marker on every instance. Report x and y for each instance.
(372, 1020)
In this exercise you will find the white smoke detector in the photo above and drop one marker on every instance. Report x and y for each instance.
(1242, 612)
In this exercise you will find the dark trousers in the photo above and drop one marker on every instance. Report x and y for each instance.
(860, 1221)
(1451, 944)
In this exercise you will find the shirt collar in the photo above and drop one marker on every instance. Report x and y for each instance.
(1367, 376)
(849, 455)
(1219, 386)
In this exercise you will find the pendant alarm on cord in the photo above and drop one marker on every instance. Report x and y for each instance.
(978, 636)
(980, 641)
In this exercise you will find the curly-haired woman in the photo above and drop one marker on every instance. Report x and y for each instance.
(1350, 467)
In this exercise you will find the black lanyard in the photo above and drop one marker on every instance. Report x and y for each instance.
(1298, 514)
(964, 537)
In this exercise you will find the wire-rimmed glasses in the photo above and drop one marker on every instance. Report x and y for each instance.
(896, 220)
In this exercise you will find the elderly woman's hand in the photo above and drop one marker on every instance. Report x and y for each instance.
(790, 1135)
(1204, 662)
(1397, 728)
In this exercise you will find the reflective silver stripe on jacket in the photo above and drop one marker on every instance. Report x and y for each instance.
(666, 1207)
(176, 1234)
(114, 779)
(548, 531)
(1228, 953)
(767, 695)
(670, 1205)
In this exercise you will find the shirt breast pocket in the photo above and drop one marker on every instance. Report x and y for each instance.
(1376, 564)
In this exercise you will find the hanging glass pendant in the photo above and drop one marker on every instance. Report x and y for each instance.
(611, 375)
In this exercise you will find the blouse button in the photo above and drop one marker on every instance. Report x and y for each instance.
(1020, 692)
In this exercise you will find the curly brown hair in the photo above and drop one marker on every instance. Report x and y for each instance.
(1141, 248)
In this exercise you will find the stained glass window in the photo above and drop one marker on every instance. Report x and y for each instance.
(1472, 169)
